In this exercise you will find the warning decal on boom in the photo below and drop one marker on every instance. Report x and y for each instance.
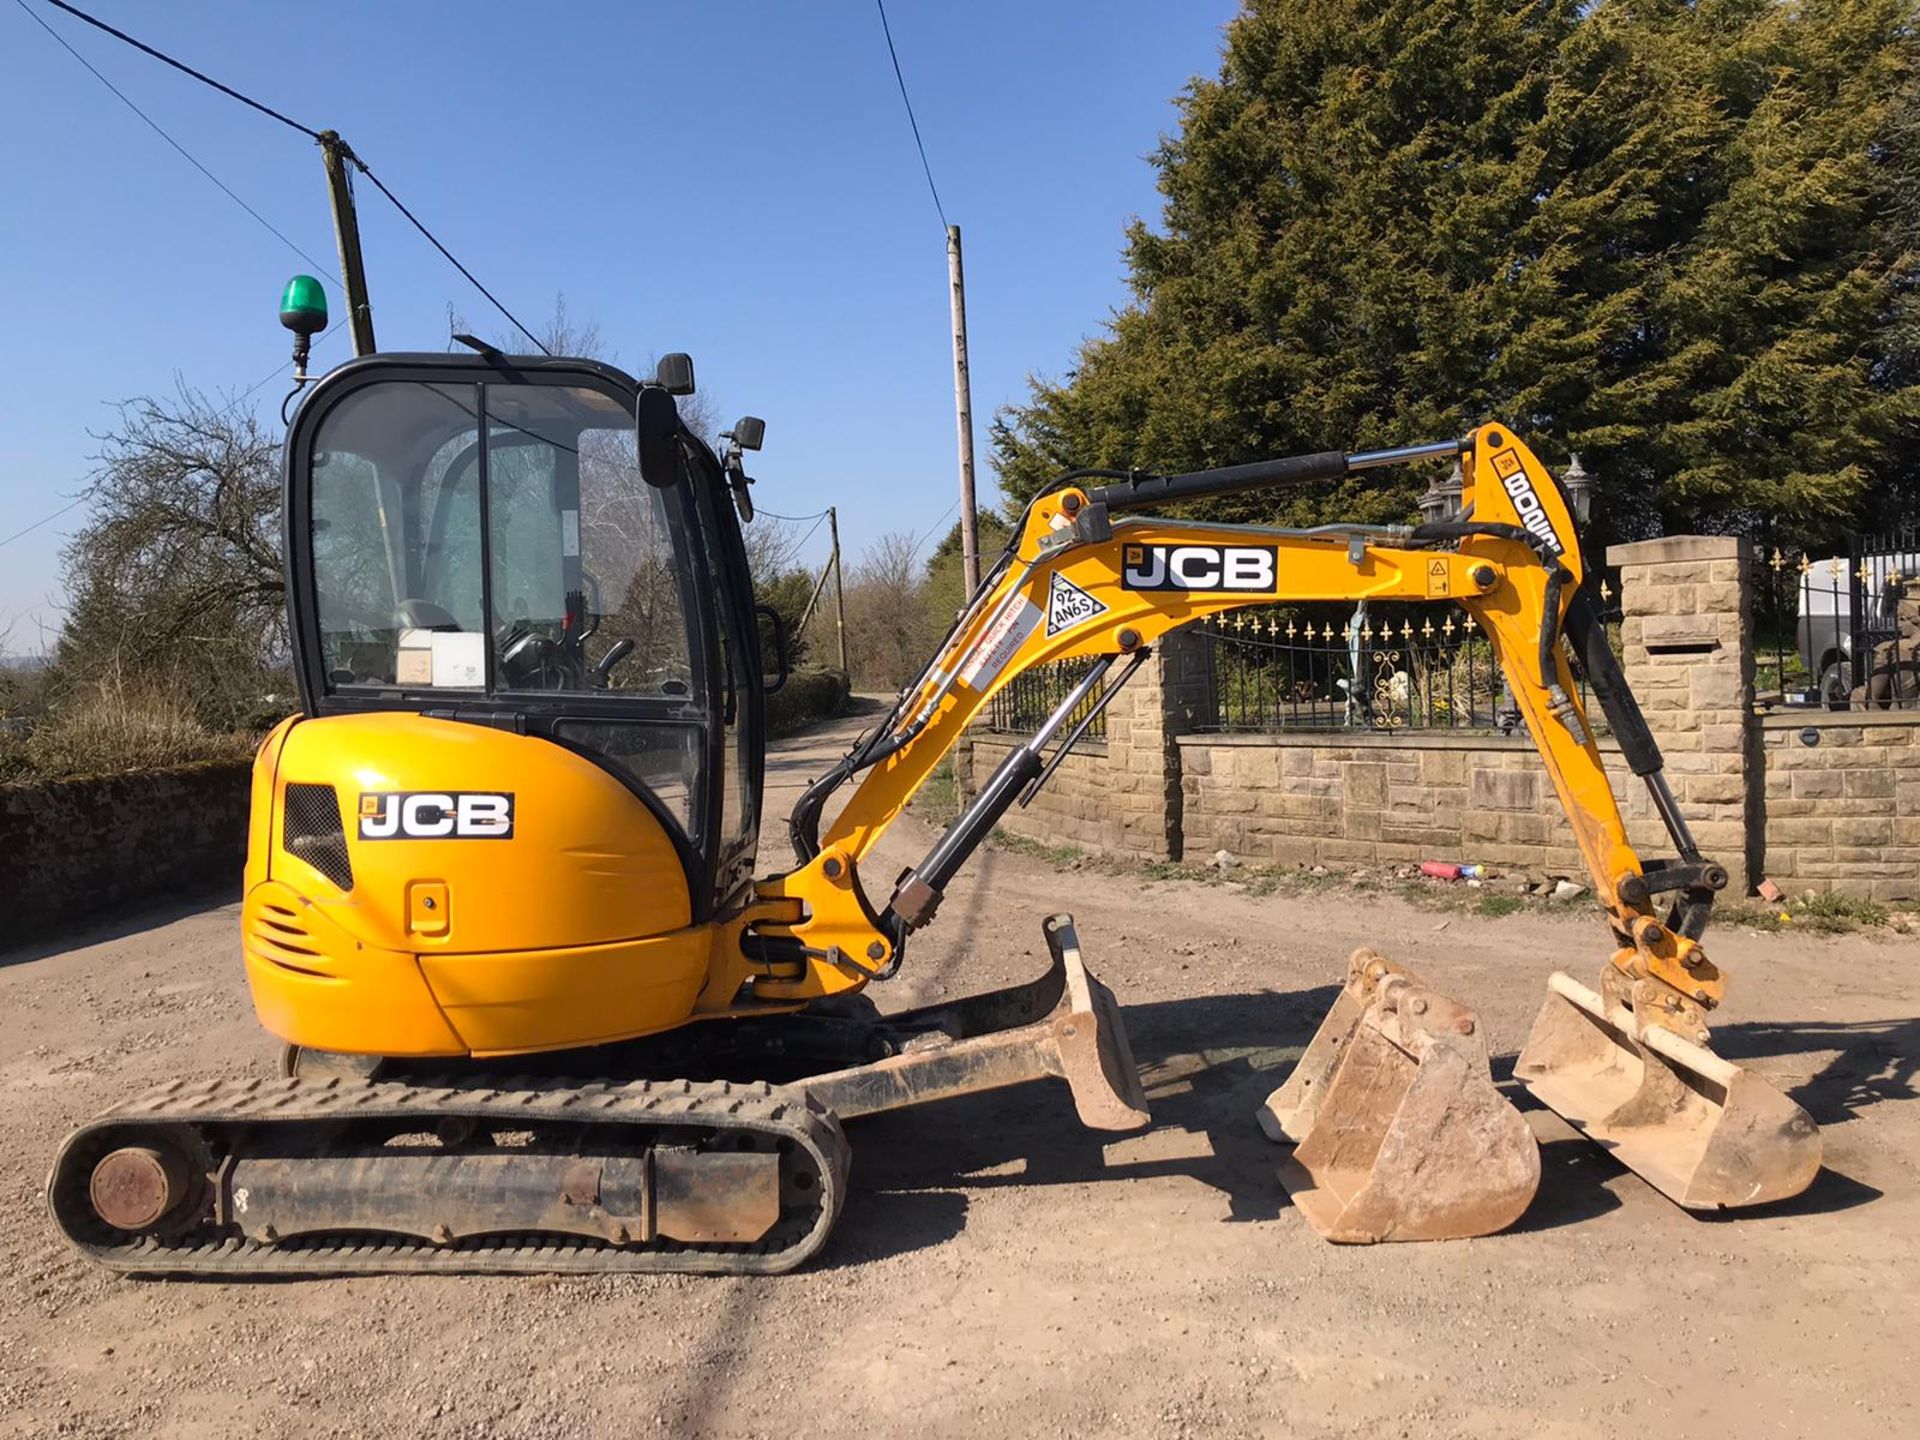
(1068, 605)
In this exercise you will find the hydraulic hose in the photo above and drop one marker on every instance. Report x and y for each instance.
(1589, 637)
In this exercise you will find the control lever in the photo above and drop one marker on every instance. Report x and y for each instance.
(616, 652)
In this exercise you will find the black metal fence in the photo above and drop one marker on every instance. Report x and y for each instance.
(1318, 667)
(1840, 631)
(1379, 668)
(1030, 698)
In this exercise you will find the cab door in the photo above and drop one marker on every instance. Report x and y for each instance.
(742, 698)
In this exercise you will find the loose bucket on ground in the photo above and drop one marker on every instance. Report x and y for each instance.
(1398, 1130)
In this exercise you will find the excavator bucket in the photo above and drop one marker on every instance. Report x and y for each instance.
(1702, 1131)
(1398, 1131)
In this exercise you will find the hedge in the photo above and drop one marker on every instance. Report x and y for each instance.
(808, 697)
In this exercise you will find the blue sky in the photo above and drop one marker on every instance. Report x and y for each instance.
(732, 179)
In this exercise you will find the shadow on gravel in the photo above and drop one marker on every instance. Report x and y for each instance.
(120, 924)
(1878, 1061)
(1207, 1063)
(1574, 1174)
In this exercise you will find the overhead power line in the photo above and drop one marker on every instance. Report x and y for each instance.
(157, 129)
(927, 534)
(48, 520)
(184, 69)
(434, 241)
(812, 530)
(907, 100)
(291, 124)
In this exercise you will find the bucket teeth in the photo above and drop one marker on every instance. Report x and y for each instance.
(1399, 1132)
(1702, 1131)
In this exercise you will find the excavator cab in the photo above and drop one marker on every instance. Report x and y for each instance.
(483, 540)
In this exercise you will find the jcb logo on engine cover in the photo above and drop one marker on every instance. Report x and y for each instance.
(436, 815)
(1199, 567)
(1526, 500)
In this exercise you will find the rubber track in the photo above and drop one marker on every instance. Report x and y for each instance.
(212, 1107)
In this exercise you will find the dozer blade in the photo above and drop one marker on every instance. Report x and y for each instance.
(1702, 1131)
(1082, 1041)
(1400, 1132)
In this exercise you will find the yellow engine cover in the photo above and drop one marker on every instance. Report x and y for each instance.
(483, 893)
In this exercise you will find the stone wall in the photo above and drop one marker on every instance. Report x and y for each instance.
(1840, 813)
(1367, 798)
(72, 850)
(1842, 796)
(1121, 794)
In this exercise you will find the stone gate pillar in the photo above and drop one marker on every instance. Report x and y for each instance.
(1687, 633)
(1167, 699)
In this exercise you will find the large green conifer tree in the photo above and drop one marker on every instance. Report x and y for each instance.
(1650, 231)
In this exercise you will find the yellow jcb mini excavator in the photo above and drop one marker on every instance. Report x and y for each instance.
(501, 899)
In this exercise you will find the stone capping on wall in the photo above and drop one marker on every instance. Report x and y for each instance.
(1774, 720)
(1385, 739)
(77, 849)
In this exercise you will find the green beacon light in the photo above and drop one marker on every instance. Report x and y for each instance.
(303, 310)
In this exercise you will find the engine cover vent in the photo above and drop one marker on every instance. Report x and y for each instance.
(313, 832)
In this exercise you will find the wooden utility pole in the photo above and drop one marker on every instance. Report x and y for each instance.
(963, 408)
(839, 592)
(346, 233)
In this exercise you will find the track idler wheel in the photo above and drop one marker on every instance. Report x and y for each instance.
(1398, 1130)
(154, 1182)
(136, 1187)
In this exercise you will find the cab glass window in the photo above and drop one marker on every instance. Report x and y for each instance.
(397, 561)
(586, 593)
(524, 551)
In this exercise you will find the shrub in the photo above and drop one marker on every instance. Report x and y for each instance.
(118, 724)
(807, 697)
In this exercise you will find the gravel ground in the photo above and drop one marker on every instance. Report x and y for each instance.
(1000, 1271)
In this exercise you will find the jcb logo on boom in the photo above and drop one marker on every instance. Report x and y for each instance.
(436, 815)
(1526, 500)
(1199, 567)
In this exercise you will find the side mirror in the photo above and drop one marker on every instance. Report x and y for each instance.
(781, 653)
(674, 374)
(747, 434)
(656, 424)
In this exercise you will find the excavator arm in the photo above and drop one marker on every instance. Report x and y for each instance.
(1087, 577)
(1080, 582)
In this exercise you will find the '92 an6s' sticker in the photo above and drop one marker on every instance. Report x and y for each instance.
(436, 815)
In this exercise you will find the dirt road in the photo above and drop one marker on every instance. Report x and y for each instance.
(999, 1271)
